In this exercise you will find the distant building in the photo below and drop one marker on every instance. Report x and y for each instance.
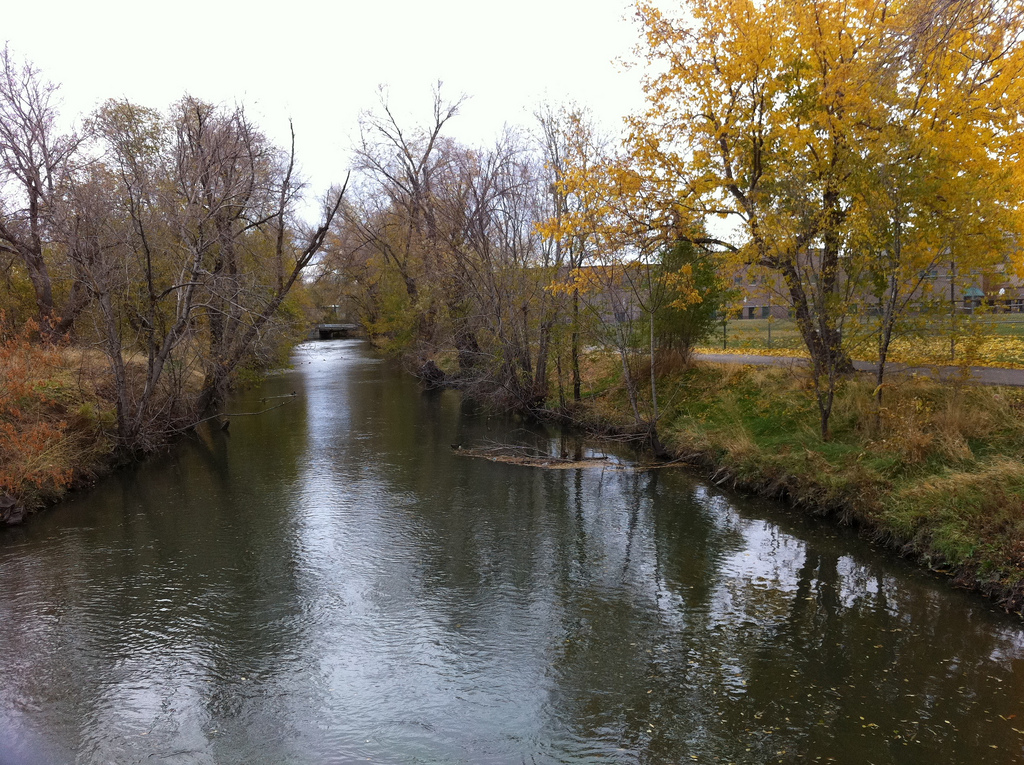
(764, 293)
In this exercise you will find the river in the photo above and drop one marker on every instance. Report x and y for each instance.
(330, 582)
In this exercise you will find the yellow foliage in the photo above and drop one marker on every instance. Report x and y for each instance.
(681, 285)
(581, 280)
(887, 133)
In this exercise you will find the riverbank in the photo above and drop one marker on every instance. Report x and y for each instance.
(57, 424)
(58, 411)
(937, 474)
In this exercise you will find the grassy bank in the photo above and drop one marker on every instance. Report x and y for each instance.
(57, 424)
(58, 415)
(937, 473)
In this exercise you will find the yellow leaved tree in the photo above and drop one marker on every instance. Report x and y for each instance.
(620, 268)
(852, 142)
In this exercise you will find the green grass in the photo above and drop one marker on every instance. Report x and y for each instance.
(982, 339)
(1005, 325)
(756, 334)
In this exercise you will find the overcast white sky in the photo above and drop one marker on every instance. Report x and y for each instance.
(320, 63)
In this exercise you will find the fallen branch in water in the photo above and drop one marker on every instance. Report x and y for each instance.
(532, 457)
(224, 425)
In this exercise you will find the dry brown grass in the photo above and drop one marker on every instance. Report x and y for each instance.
(739, 443)
(671, 363)
(50, 419)
(920, 418)
(595, 368)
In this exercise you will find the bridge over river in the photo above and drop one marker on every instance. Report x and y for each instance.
(333, 331)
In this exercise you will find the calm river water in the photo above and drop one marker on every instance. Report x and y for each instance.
(331, 583)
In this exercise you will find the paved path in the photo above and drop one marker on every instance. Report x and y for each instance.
(984, 375)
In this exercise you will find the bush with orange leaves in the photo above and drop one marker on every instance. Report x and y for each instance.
(32, 429)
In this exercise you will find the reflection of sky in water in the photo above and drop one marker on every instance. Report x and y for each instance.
(331, 583)
(409, 661)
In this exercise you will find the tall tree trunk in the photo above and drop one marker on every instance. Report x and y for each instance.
(540, 376)
(575, 346)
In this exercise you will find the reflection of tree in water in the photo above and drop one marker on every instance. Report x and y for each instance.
(624, 673)
(174, 585)
(803, 651)
(560, 615)
(858, 666)
(825, 649)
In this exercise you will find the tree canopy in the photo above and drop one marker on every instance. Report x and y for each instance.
(842, 138)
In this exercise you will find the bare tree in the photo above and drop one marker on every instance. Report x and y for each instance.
(34, 174)
(193, 250)
(400, 167)
(568, 136)
(498, 266)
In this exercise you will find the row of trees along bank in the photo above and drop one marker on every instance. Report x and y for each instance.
(464, 257)
(167, 240)
(850, 148)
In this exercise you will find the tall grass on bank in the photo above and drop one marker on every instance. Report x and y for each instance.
(32, 447)
(54, 427)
